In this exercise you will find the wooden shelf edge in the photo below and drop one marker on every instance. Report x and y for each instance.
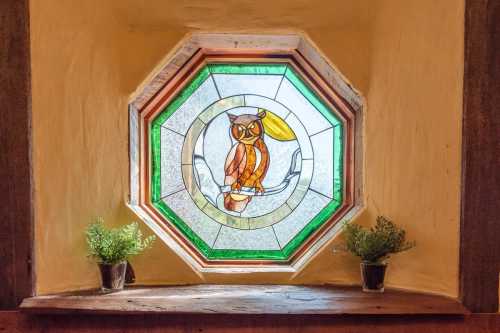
(245, 299)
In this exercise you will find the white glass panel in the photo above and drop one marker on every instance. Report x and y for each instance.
(268, 104)
(205, 95)
(322, 180)
(302, 136)
(259, 239)
(234, 84)
(185, 208)
(313, 121)
(171, 172)
(280, 160)
(291, 225)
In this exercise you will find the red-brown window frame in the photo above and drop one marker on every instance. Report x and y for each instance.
(169, 90)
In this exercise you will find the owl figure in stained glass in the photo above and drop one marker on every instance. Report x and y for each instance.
(247, 161)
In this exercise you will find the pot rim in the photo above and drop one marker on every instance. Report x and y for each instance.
(115, 264)
(370, 263)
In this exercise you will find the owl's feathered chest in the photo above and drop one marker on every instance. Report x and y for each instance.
(247, 163)
(252, 157)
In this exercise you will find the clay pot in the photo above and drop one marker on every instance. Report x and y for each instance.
(372, 275)
(112, 276)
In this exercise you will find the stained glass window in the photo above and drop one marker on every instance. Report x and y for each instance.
(247, 160)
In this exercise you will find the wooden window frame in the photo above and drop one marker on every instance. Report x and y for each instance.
(191, 54)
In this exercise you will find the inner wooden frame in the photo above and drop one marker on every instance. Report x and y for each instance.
(178, 81)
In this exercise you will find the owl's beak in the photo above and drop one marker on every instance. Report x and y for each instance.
(247, 135)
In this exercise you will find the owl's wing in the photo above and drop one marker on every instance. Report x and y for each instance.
(234, 159)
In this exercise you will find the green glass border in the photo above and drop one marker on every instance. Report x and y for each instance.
(311, 96)
(258, 69)
(311, 227)
(182, 96)
(156, 162)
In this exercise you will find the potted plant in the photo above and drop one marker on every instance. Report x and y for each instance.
(374, 246)
(112, 248)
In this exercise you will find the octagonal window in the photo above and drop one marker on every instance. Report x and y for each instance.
(245, 159)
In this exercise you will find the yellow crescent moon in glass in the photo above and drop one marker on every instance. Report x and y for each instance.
(276, 127)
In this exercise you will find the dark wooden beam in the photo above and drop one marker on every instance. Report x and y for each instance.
(16, 199)
(480, 211)
(14, 321)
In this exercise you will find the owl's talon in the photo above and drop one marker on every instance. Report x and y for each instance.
(236, 186)
(259, 188)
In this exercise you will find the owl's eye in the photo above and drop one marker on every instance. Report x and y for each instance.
(240, 128)
(252, 126)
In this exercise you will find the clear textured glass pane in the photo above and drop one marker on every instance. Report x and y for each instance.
(293, 99)
(182, 96)
(169, 214)
(202, 97)
(322, 180)
(264, 85)
(259, 239)
(267, 104)
(171, 174)
(184, 207)
(302, 136)
(290, 226)
(311, 227)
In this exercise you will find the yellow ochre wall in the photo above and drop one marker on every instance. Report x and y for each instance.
(404, 56)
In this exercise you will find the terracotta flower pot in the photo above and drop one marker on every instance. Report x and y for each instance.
(113, 276)
(372, 275)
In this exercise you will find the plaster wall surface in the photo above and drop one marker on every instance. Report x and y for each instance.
(405, 57)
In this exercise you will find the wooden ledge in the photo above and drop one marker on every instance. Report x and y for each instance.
(245, 299)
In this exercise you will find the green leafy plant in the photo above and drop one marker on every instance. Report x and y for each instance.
(378, 243)
(111, 246)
